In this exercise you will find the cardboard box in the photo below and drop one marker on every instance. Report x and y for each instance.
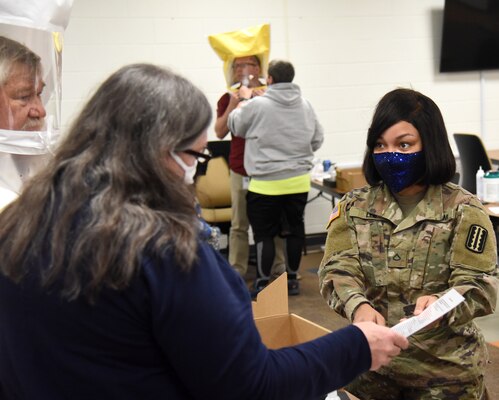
(276, 325)
(349, 178)
(278, 328)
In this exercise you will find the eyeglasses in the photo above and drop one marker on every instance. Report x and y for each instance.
(203, 157)
(244, 65)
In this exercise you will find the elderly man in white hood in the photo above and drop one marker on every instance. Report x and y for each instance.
(23, 141)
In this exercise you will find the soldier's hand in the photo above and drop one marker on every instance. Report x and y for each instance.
(383, 343)
(422, 303)
(365, 312)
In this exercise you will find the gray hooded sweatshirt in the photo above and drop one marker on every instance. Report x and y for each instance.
(281, 132)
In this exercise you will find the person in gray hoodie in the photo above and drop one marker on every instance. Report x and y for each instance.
(282, 132)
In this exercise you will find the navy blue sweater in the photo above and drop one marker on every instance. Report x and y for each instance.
(170, 334)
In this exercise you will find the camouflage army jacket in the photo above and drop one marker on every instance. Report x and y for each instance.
(376, 255)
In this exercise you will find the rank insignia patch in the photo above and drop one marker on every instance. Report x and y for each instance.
(477, 237)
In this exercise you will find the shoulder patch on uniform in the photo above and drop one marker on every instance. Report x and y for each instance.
(474, 244)
(334, 214)
(477, 237)
(339, 236)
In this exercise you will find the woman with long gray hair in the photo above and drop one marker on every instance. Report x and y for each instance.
(106, 290)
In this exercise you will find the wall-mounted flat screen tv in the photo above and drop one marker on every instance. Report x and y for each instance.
(470, 36)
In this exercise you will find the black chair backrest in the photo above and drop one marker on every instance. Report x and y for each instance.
(218, 148)
(472, 154)
(455, 178)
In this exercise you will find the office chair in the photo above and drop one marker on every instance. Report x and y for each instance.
(213, 194)
(220, 148)
(472, 155)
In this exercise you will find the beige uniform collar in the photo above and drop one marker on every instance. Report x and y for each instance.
(384, 205)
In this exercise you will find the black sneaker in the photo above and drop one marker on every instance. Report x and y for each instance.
(293, 287)
(258, 286)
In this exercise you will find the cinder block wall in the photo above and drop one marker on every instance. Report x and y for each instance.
(347, 54)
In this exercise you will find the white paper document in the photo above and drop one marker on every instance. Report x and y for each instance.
(440, 307)
(333, 396)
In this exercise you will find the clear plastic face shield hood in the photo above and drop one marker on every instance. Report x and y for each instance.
(30, 88)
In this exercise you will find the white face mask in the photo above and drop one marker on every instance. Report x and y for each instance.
(189, 170)
(28, 143)
(23, 154)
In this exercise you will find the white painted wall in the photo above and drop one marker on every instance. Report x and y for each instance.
(347, 54)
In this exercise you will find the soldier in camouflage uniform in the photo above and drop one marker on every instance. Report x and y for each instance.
(401, 242)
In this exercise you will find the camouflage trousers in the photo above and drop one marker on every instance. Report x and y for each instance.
(373, 386)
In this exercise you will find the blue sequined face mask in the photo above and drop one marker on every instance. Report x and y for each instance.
(399, 170)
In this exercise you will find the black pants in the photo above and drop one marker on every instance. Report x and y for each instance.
(281, 215)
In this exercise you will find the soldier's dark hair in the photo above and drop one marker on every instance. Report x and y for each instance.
(281, 71)
(422, 112)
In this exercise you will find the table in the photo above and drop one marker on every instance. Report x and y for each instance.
(493, 211)
(323, 190)
(493, 155)
(492, 208)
